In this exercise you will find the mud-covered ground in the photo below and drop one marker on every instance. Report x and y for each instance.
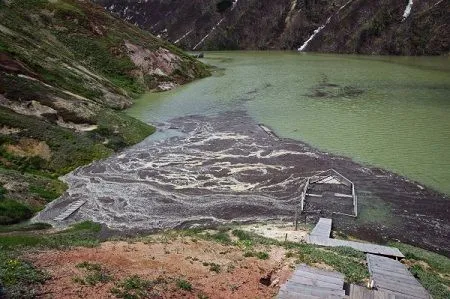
(225, 168)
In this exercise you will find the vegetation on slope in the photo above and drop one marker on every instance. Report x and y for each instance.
(20, 278)
(66, 68)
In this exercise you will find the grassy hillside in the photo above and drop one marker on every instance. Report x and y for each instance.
(66, 69)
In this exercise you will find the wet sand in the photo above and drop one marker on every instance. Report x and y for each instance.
(225, 168)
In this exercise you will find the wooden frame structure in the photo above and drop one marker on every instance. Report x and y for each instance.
(330, 175)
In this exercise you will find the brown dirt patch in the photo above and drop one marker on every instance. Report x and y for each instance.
(28, 147)
(184, 258)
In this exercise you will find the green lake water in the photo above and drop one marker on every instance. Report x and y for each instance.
(391, 112)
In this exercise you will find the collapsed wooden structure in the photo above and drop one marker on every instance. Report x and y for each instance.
(331, 177)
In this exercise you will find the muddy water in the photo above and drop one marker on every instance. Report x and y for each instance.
(391, 112)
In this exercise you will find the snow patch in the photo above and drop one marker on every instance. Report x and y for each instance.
(206, 36)
(408, 10)
(305, 44)
(184, 36)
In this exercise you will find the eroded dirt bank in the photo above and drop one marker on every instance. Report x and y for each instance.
(226, 168)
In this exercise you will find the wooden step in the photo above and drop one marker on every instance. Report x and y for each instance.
(70, 210)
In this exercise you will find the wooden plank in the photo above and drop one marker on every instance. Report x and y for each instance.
(392, 276)
(315, 283)
(70, 210)
(314, 291)
(322, 228)
(403, 288)
(364, 247)
(305, 268)
(358, 292)
(285, 294)
(323, 278)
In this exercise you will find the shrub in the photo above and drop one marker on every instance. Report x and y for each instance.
(132, 287)
(262, 255)
(19, 278)
(184, 285)
(12, 212)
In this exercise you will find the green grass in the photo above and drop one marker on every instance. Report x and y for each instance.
(19, 278)
(433, 282)
(12, 212)
(132, 287)
(436, 277)
(81, 234)
(436, 261)
(94, 274)
(184, 285)
(23, 227)
(214, 267)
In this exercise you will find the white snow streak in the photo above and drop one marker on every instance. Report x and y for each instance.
(184, 36)
(408, 10)
(206, 36)
(234, 5)
(437, 3)
(305, 44)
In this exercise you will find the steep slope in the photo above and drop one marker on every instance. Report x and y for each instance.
(401, 27)
(66, 68)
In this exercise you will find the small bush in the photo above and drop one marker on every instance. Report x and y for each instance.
(184, 285)
(12, 212)
(132, 287)
(214, 267)
(19, 278)
(221, 237)
(94, 274)
(262, 255)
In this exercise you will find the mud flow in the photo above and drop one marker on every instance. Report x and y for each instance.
(225, 168)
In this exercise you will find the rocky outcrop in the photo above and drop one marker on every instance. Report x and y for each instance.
(399, 27)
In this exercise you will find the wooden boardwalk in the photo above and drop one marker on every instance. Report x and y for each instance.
(322, 228)
(321, 237)
(70, 210)
(393, 277)
(313, 283)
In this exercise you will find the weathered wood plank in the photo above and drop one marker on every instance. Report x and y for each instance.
(305, 268)
(70, 210)
(314, 291)
(324, 278)
(316, 283)
(309, 282)
(393, 277)
(323, 228)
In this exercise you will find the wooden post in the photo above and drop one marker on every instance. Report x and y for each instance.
(296, 217)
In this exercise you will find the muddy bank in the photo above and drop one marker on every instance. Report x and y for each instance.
(226, 168)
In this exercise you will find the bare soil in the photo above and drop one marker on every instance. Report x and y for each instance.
(166, 261)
